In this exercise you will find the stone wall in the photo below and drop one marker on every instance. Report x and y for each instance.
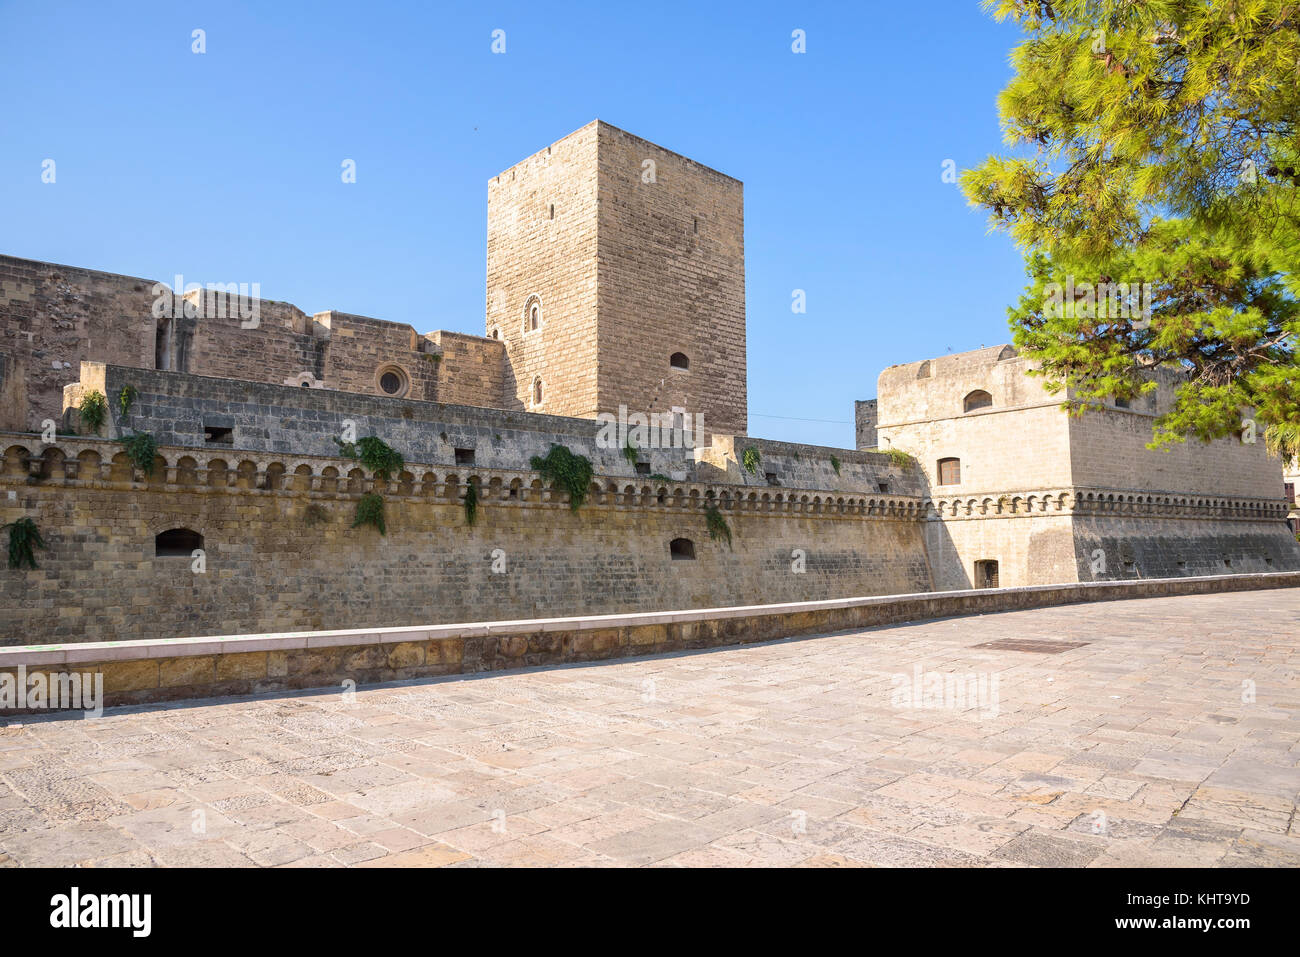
(541, 244)
(54, 317)
(282, 553)
(671, 279)
(145, 671)
(866, 416)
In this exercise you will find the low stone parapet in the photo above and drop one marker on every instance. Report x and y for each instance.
(136, 672)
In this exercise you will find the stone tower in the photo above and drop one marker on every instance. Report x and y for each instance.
(616, 276)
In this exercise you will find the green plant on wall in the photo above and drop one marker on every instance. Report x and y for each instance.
(751, 459)
(471, 503)
(374, 454)
(630, 453)
(370, 511)
(125, 398)
(659, 477)
(900, 458)
(835, 464)
(567, 471)
(141, 448)
(93, 409)
(23, 537)
(717, 525)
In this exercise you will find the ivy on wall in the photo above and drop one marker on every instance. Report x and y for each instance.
(567, 471)
(370, 511)
(141, 449)
(23, 537)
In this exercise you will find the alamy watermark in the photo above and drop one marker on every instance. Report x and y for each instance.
(216, 300)
(949, 691)
(1103, 300)
(64, 691)
(674, 429)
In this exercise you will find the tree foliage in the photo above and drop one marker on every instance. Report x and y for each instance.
(1159, 149)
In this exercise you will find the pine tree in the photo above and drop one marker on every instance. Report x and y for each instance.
(1159, 145)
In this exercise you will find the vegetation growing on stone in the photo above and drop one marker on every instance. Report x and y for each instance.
(24, 536)
(900, 458)
(630, 453)
(751, 459)
(141, 449)
(125, 398)
(375, 454)
(93, 410)
(471, 503)
(717, 525)
(835, 464)
(370, 511)
(314, 514)
(566, 471)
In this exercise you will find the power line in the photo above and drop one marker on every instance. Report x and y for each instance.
(794, 418)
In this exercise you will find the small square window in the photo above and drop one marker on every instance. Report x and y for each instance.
(464, 456)
(642, 468)
(218, 435)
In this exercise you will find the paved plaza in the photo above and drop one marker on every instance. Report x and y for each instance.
(1146, 732)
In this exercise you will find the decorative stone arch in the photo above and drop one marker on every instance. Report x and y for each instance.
(976, 399)
(305, 380)
(392, 380)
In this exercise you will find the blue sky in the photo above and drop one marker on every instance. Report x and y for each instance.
(225, 166)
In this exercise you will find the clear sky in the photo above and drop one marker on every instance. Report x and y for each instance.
(225, 166)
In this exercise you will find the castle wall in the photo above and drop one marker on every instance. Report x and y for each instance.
(1108, 449)
(672, 279)
(1020, 442)
(282, 555)
(541, 241)
(1034, 549)
(54, 317)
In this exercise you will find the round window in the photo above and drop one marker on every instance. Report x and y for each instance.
(392, 382)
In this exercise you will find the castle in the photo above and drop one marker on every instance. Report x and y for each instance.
(615, 291)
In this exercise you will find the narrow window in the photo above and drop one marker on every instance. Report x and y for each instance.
(979, 399)
(986, 574)
(552, 210)
(217, 435)
(464, 456)
(681, 549)
(537, 391)
(176, 542)
(950, 471)
(695, 224)
(678, 360)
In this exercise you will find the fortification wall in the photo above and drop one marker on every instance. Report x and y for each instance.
(282, 555)
(1108, 449)
(1064, 535)
(54, 317)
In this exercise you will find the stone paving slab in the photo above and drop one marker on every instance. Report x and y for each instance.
(1170, 737)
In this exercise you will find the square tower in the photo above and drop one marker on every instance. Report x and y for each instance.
(616, 276)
